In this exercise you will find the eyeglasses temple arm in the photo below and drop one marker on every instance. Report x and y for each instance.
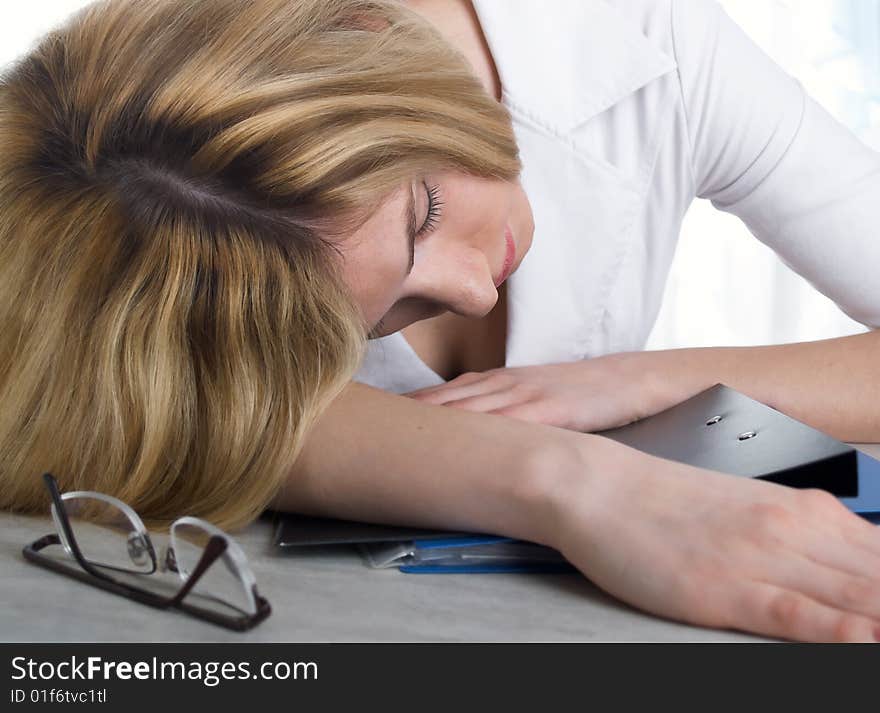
(216, 546)
(54, 493)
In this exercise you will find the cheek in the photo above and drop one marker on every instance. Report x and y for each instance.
(524, 218)
(374, 286)
(520, 203)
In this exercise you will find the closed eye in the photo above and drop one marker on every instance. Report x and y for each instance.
(435, 206)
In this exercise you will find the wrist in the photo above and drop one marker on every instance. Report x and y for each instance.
(674, 375)
(565, 481)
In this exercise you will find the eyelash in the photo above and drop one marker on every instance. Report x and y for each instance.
(434, 210)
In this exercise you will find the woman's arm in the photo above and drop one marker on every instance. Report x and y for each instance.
(375, 456)
(699, 546)
(832, 384)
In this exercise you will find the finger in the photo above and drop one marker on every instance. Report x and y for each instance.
(782, 613)
(838, 551)
(484, 403)
(838, 588)
(458, 392)
(821, 564)
(863, 534)
(460, 380)
(535, 411)
(841, 524)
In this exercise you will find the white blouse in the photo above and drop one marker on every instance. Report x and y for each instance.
(625, 111)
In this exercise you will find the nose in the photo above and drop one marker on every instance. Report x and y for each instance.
(459, 279)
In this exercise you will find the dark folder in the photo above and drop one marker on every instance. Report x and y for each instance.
(722, 429)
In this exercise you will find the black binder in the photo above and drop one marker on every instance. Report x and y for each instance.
(722, 429)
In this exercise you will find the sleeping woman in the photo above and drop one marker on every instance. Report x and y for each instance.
(396, 261)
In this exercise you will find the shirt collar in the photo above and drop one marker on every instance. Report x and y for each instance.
(567, 60)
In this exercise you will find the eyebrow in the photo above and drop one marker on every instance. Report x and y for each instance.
(410, 220)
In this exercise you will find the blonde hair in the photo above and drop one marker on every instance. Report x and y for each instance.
(172, 177)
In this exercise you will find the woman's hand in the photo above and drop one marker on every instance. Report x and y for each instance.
(719, 550)
(588, 395)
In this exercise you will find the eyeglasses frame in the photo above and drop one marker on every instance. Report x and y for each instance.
(217, 544)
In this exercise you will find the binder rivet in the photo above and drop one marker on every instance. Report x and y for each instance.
(747, 435)
(712, 421)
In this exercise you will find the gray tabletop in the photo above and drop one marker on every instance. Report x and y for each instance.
(329, 594)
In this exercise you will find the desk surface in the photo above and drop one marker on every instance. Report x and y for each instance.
(329, 594)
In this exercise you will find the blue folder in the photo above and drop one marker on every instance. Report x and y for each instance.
(465, 554)
(867, 502)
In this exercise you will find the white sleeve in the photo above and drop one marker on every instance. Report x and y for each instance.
(764, 150)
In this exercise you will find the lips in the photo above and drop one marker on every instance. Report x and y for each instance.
(509, 258)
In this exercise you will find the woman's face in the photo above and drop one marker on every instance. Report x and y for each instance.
(470, 234)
